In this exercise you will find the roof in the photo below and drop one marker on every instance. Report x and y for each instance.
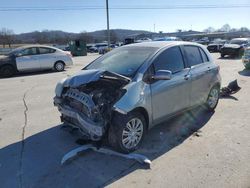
(36, 45)
(161, 44)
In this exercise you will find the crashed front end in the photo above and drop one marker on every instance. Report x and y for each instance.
(86, 101)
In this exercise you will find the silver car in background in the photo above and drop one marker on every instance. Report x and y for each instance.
(127, 91)
(34, 58)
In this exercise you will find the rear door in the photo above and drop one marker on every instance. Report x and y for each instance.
(170, 96)
(200, 67)
(47, 57)
(28, 59)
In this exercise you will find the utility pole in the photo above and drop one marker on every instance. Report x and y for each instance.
(108, 32)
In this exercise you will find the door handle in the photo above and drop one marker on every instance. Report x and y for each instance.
(186, 77)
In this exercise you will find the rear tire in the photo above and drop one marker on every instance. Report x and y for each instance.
(127, 132)
(7, 71)
(213, 99)
(59, 66)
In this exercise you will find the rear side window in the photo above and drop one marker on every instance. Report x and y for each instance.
(170, 59)
(193, 55)
(43, 50)
(203, 55)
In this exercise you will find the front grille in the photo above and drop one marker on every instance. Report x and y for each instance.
(79, 96)
(78, 106)
(79, 101)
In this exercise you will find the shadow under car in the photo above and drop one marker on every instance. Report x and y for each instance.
(35, 162)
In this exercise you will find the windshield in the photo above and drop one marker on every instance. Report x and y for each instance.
(123, 60)
(15, 51)
(238, 42)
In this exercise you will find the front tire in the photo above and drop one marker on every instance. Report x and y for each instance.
(7, 71)
(127, 131)
(213, 99)
(59, 66)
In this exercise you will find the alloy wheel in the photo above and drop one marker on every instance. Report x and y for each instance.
(132, 133)
(213, 98)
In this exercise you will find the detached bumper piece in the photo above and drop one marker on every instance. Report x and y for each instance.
(76, 119)
(73, 153)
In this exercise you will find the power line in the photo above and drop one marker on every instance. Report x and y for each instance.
(75, 8)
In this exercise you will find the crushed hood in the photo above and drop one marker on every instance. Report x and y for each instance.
(87, 76)
(83, 77)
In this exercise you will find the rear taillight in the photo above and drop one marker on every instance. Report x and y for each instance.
(68, 54)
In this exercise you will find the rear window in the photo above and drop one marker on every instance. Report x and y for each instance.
(43, 50)
(203, 55)
(193, 55)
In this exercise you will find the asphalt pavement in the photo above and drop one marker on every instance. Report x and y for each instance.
(195, 149)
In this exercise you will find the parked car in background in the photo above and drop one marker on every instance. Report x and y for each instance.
(99, 46)
(145, 39)
(106, 49)
(235, 47)
(167, 39)
(204, 41)
(246, 58)
(129, 41)
(130, 89)
(89, 47)
(34, 58)
(215, 45)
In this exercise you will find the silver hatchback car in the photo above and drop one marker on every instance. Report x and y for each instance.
(127, 91)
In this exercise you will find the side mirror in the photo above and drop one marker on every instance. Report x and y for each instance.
(162, 75)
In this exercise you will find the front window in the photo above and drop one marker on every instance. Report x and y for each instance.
(29, 51)
(171, 59)
(125, 60)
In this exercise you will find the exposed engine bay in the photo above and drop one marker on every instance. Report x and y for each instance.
(89, 106)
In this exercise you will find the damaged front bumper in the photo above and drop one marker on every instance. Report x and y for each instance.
(74, 118)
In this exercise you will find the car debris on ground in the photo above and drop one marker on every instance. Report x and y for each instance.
(134, 156)
(232, 88)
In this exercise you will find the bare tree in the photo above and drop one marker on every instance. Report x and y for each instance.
(6, 37)
(225, 28)
(86, 37)
(244, 29)
(209, 30)
(40, 37)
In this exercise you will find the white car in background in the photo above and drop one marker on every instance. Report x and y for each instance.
(34, 58)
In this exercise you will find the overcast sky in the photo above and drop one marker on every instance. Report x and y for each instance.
(166, 20)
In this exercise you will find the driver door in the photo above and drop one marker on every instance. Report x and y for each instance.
(28, 59)
(170, 96)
